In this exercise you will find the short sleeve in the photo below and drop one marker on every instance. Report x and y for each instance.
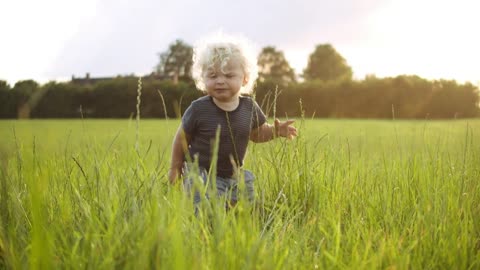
(258, 116)
(189, 119)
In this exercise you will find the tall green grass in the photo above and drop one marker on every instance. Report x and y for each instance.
(346, 194)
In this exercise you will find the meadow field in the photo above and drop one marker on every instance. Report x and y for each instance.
(345, 194)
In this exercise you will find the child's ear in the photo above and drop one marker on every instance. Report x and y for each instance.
(245, 80)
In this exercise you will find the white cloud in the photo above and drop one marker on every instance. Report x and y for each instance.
(433, 39)
(33, 32)
(54, 39)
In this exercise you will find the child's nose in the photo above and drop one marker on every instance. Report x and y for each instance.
(220, 79)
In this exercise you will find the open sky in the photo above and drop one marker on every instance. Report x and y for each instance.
(55, 39)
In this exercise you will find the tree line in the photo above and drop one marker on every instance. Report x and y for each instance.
(326, 89)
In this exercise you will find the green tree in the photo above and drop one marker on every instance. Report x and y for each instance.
(6, 103)
(25, 88)
(4, 86)
(451, 100)
(23, 92)
(326, 64)
(177, 61)
(273, 66)
(59, 100)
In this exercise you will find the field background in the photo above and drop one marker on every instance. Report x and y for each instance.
(356, 194)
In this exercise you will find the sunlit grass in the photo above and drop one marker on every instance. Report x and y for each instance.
(345, 194)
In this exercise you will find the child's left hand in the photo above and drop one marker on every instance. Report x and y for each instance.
(284, 129)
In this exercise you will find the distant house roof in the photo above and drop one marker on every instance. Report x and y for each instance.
(87, 80)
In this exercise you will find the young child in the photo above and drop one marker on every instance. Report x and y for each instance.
(224, 67)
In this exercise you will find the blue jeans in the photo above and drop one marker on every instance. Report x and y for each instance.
(226, 187)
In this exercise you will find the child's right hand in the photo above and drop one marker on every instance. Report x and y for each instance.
(173, 176)
(284, 129)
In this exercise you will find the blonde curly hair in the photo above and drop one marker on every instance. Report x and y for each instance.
(219, 49)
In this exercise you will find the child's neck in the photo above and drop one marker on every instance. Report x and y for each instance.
(228, 106)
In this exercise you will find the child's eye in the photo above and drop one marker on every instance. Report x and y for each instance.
(212, 76)
(230, 75)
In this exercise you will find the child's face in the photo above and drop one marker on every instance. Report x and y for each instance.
(225, 85)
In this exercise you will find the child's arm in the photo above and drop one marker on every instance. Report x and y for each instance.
(267, 132)
(179, 147)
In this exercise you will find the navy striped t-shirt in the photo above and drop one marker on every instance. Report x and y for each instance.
(201, 120)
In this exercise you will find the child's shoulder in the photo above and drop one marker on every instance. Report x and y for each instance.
(207, 101)
(246, 99)
(201, 101)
